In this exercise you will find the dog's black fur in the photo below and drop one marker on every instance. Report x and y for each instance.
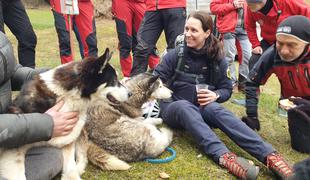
(84, 75)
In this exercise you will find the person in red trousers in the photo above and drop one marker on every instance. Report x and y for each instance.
(84, 28)
(128, 15)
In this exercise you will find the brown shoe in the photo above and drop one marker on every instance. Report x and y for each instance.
(238, 166)
(277, 164)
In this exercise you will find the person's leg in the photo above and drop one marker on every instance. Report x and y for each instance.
(17, 20)
(78, 38)
(246, 54)
(148, 34)
(43, 163)
(252, 93)
(229, 41)
(183, 114)
(174, 22)
(124, 18)
(62, 29)
(85, 23)
(139, 10)
(216, 115)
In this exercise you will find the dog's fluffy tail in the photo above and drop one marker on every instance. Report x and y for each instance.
(105, 160)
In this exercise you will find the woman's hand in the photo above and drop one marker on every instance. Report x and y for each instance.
(206, 97)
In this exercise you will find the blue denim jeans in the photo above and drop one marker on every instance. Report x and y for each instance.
(230, 50)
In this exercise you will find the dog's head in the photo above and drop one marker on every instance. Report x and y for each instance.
(92, 78)
(148, 84)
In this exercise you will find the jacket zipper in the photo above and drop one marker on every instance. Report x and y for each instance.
(307, 76)
(290, 74)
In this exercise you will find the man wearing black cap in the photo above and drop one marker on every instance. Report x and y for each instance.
(289, 59)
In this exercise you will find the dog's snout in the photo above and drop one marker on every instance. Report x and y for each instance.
(129, 94)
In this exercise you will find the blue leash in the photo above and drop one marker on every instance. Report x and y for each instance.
(165, 160)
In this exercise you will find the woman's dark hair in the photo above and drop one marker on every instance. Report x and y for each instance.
(213, 47)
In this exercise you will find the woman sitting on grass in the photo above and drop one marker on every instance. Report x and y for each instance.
(196, 112)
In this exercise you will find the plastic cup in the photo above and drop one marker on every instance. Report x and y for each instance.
(201, 87)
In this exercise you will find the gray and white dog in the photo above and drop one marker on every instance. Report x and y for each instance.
(121, 131)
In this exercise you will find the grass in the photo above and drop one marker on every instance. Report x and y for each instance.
(188, 164)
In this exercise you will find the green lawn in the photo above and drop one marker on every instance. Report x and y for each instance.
(187, 165)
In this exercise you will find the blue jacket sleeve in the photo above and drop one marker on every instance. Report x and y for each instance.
(224, 85)
(17, 130)
(166, 69)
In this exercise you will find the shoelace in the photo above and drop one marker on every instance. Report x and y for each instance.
(277, 162)
(230, 161)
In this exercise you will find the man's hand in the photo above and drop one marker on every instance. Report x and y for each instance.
(257, 50)
(252, 122)
(206, 96)
(64, 122)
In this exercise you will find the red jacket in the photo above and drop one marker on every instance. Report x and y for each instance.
(294, 78)
(152, 5)
(226, 15)
(270, 22)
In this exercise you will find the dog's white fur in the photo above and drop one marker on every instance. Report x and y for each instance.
(12, 161)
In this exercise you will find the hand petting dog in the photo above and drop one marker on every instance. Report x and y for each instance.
(64, 122)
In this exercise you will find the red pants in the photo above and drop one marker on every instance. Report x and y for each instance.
(84, 28)
(128, 15)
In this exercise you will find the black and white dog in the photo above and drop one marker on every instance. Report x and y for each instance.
(79, 84)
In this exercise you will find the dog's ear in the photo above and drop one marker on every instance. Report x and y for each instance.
(152, 80)
(104, 59)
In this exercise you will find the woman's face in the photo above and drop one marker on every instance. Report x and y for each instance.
(194, 35)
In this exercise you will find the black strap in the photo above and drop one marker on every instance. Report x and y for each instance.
(180, 66)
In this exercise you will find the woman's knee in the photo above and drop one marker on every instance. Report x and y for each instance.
(211, 107)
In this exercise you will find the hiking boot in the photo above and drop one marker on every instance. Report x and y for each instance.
(238, 166)
(277, 164)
